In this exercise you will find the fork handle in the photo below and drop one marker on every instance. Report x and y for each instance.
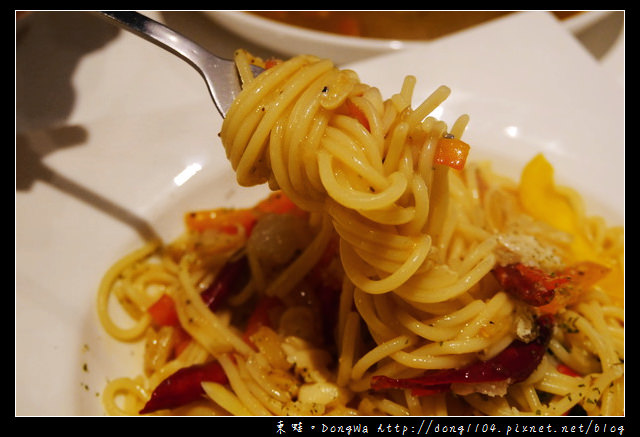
(159, 34)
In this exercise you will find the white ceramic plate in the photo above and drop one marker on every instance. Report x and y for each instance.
(142, 122)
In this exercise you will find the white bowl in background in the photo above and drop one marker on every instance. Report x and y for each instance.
(291, 40)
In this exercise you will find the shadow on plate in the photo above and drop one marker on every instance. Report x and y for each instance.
(49, 46)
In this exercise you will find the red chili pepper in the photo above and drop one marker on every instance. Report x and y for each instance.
(529, 284)
(184, 386)
(514, 364)
(233, 276)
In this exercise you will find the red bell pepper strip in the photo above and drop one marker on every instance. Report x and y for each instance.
(529, 284)
(278, 203)
(222, 220)
(163, 312)
(549, 293)
(566, 370)
(184, 386)
(512, 365)
(229, 220)
(581, 276)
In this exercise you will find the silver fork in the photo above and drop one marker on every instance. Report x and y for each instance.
(220, 75)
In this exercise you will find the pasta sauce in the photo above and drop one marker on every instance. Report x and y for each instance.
(409, 25)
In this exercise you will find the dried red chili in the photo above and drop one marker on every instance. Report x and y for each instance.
(184, 386)
(512, 365)
(529, 284)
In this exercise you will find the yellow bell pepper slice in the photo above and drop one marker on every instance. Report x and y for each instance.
(541, 198)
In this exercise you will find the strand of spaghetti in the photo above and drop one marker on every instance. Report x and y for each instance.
(202, 323)
(455, 347)
(347, 351)
(413, 291)
(413, 405)
(460, 125)
(367, 235)
(293, 146)
(104, 292)
(271, 398)
(368, 143)
(391, 408)
(438, 213)
(254, 92)
(434, 129)
(528, 396)
(605, 353)
(377, 354)
(240, 388)
(434, 100)
(291, 175)
(274, 110)
(402, 99)
(574, 359)
(499, 306)
(383, 264)
(596, 386)
(352, 156)
(165, 371)
(493, 406)
(593, 313)
(334, 93)
(392, 215)
(128, 388)
(353, 268)
(274, 406)
(430, 362)
(434, 331)
(244, 62)
(559, 384)
(223, 397)
(395, 147)
(438, 309)
(296, 271)
(420, 194)
(364, 304)
(345, 306)
(247, 112)
(373, 116)
(192, 354)
(385, 307)
(348, 196)
(351, 163)
(269, 381)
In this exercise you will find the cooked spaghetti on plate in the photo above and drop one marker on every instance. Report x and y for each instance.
(385, 274)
